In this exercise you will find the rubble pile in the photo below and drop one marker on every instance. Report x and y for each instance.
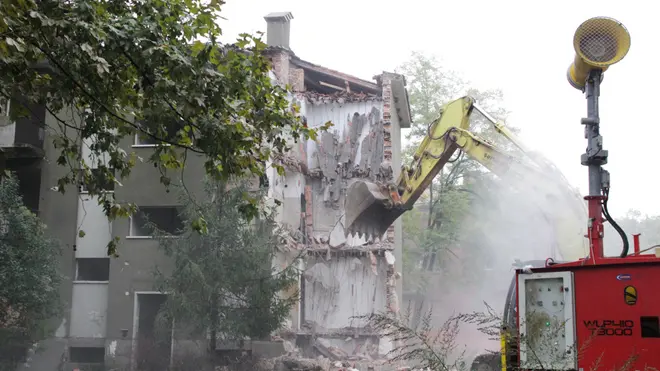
(294, 363)
(327, 358)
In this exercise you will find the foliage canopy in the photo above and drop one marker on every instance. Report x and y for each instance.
(29, 276)
(434, 231)
(118, 69)
(225, 281)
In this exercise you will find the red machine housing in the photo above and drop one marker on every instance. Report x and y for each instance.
(616, 304)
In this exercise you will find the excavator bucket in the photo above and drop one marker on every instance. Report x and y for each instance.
(368, 210)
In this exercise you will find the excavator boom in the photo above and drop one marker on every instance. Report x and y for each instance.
(372, 207)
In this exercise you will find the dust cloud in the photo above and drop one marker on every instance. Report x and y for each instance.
(524, 214)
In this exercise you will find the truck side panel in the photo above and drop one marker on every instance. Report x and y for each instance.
(617, 312)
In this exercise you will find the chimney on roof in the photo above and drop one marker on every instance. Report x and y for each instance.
(279, 29)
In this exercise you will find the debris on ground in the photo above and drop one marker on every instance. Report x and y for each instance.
(288, 363)
(329, 351)
(342, 351)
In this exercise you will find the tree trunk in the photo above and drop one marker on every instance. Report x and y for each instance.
(427, 263)
(429, 219)
(213, 316)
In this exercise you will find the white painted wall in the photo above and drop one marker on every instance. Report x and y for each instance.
(89, 310)
(89, 158)
(292, 187)
(98, 229)
(89, 306)
(7, 127)
(7, 132)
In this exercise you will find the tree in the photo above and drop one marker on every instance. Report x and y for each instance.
(430, 86)
(430, 242)
(29, 277)
(633, 222)
(438, 245)
(119, 68)
(224, 281)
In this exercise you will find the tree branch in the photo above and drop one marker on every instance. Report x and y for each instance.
(52, 59)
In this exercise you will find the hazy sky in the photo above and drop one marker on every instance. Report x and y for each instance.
(522, 47)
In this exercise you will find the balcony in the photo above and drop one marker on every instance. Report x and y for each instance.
(22, 149)
(23, 138)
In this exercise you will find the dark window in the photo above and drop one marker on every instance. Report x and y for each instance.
(650, 327)
(93, 269)
(87, 354)
(153, 346)
(104, 184)
(165, 218)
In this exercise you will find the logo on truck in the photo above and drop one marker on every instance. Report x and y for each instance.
(630, 295)
(624, 277)
(610, 327)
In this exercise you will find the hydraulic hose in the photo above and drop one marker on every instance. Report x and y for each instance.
(624, 238)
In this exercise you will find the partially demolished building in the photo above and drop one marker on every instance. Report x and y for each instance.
(344, 277)
(113, 302)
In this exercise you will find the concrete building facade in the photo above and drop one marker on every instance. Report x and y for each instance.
(344, 277)
(112, 301)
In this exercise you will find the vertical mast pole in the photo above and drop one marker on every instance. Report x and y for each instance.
(594, 158)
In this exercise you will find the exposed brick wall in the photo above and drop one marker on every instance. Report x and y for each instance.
(392, 300)
(297, 79)
(387, 127)
(309, 220)
(280, 61)
(390, 285)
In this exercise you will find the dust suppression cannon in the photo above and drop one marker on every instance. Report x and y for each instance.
(599, 43)
(598, 310)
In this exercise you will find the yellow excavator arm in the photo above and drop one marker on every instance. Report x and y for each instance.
(371, 207)
(440, 144)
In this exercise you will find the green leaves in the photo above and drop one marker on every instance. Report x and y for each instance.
(17, 44)
(223, 279)
(200, 225)
(434, 237)
(122, 68)
(29, 277)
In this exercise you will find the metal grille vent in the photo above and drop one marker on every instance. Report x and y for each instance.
(601, 41)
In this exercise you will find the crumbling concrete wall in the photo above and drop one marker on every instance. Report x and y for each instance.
(352, 149)
(343, 277)
(350, 277)
(341, 287)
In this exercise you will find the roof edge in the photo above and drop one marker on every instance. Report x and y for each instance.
(299, 62)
